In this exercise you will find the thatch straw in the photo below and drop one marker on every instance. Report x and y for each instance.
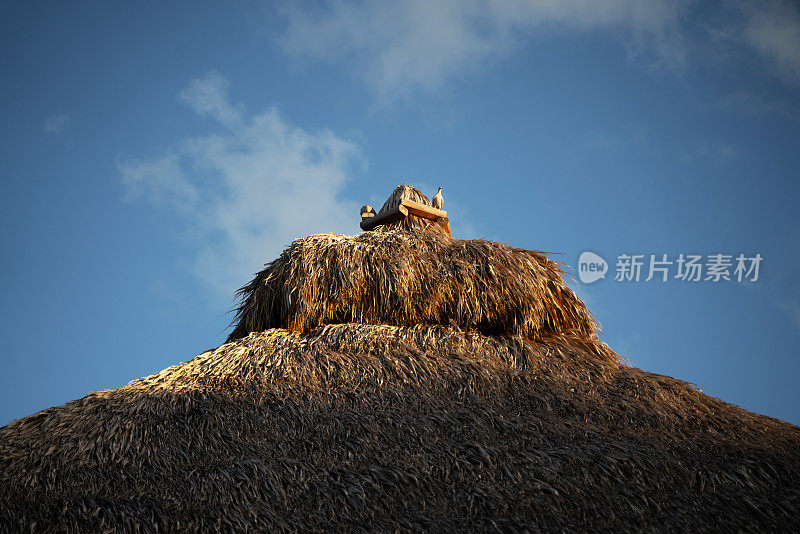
(480, 399)
(407, 278)
(379, 428)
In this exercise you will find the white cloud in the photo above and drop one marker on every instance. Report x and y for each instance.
(410, 45)
(161, 181)
(248, 189)
(55, 124)
(208, 97)
(773, 29)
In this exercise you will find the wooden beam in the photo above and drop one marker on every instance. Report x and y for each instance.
(388, 216)
(421, 210)
(395, 214)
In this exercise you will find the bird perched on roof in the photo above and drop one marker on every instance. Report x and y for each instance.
(438, 200)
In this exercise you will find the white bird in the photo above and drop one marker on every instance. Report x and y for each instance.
(438, 200)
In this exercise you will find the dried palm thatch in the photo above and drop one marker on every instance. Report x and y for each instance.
(408, 278)
(402, 380)
(382, 428)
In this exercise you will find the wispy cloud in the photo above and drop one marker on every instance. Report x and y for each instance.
(416, 45)
(55, 124)
(247, 189)
(208, 97)
(773, 29)
(161, 181)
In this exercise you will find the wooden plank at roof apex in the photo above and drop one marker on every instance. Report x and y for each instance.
(388, 216)
(422, 210)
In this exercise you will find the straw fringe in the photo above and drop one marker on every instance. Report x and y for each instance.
(407, 278)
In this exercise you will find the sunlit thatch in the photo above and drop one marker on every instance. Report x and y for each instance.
(407, 278)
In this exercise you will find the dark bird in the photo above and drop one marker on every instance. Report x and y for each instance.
(438, 200)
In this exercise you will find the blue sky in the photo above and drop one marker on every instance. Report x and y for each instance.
(154, 156)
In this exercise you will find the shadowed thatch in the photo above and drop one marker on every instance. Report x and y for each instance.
(402, 381)
(380, 428)
(403, 278)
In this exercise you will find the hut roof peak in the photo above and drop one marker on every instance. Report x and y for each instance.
(409, 209)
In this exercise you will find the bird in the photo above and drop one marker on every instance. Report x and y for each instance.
(367, 211)
(438, 200)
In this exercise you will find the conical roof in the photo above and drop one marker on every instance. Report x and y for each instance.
(402, 381)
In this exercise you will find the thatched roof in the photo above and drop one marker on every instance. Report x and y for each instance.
(409, 278)
(513, 416)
